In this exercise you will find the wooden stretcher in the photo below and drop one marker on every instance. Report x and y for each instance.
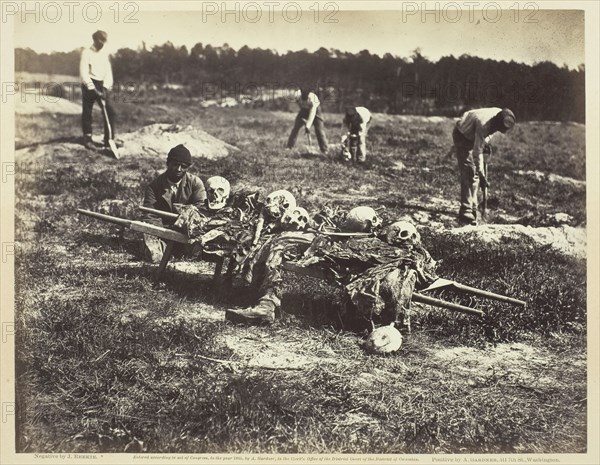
(172, 237)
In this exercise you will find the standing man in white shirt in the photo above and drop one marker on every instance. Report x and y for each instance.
(471, 136)
(96, 81)
(308, 116)
(357, 121)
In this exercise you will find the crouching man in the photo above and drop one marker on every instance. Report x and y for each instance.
(357, 121)
(173, 187)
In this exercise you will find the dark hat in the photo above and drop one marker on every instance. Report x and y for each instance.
(508, 118)
(350, 110)
(100, 35)
(180, 154)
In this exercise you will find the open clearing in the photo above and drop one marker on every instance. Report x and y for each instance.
(158, 364)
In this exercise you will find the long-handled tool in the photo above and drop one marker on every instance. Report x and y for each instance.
(307, 132)
(484, 190)
(111, 143)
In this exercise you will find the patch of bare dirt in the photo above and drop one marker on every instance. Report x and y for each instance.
(522, 364)
(564, 239)
(37, 103)
(256, 347)
(553, 178)
(385, 118)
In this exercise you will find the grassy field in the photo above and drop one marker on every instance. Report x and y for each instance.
(108, 361)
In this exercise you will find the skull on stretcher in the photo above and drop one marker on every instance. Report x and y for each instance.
(402, 234)
(217, 192)
(361, 219)
(296, 219)
(278, 203)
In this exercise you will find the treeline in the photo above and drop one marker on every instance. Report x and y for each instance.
(384, 84)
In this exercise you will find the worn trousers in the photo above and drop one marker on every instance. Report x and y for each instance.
(469, 177)
(88, 98)
(319, 131)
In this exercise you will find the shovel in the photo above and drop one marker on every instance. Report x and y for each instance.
(309, 140)
(484, 192)
(307, 131)
(111, 143)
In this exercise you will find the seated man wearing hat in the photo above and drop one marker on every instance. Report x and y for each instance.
(471, 136)
(174, 186)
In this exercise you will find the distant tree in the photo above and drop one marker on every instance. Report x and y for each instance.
(387, 83)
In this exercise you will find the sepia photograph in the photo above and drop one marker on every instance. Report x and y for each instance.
(300, 232)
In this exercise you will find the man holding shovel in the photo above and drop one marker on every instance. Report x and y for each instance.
(96, 81)
(471, 136)
(308, 116)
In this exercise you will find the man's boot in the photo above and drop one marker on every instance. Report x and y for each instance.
(263, 313)
(88, 143)
(467, 217)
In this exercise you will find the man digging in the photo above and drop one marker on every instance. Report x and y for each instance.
(308, 116)
(471, 135)
(96, 81)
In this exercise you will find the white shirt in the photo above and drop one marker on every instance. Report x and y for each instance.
(475, 126)
(95, 64)
(174, 186)
(365, 116)
(311, 104)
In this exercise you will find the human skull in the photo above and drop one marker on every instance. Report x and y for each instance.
(361, 219)
(384, 340)
(345, 154)
(278, 202)
(402, 233)
(296, 219)
(217, 192)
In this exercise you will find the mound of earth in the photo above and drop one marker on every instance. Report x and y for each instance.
(553, 178)
(389, 118)
(564, 239)
(157, 139)
(34, 104)
(150, 142)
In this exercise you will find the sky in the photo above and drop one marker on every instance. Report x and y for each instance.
(527, 36)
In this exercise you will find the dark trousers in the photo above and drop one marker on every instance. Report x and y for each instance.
(469, 178)
(88, 98)
(319, 131)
